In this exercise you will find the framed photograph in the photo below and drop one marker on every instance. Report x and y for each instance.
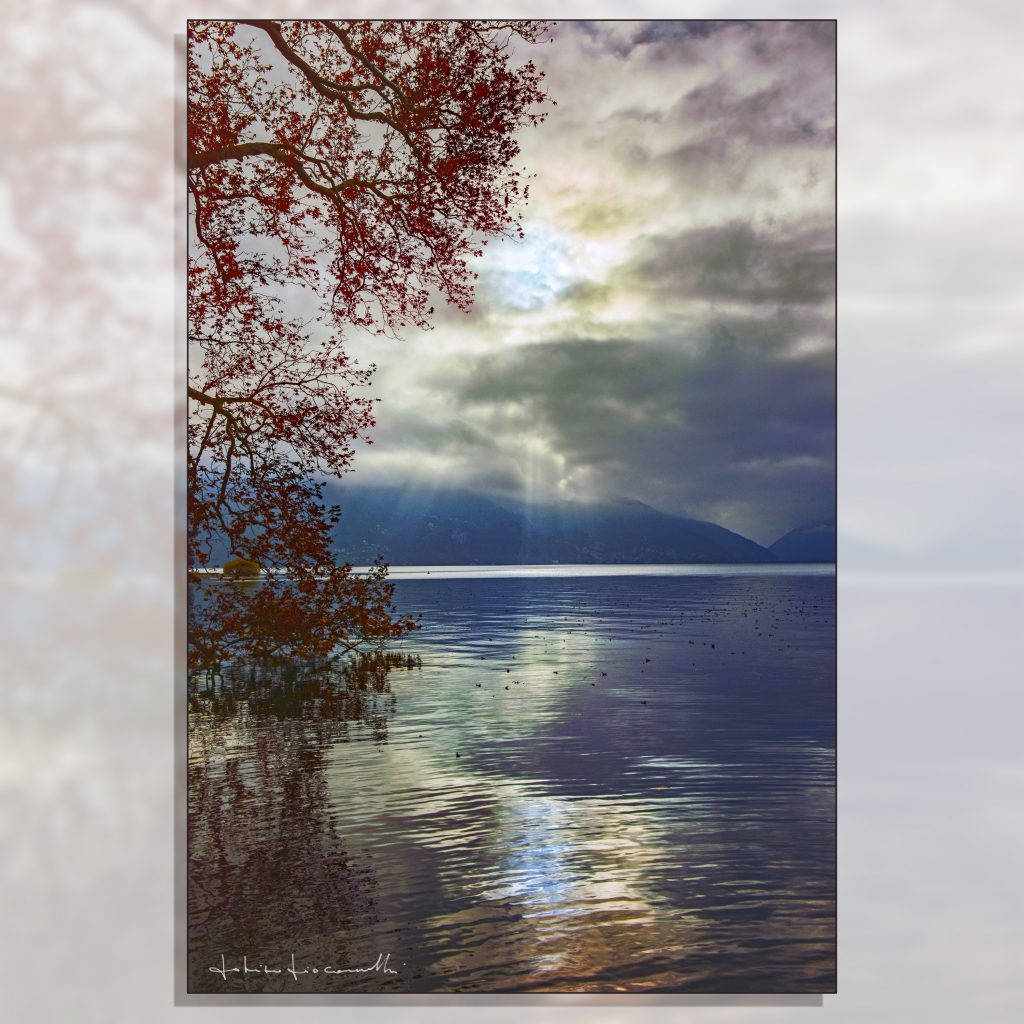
(511, 508)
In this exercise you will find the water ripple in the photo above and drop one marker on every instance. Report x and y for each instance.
(584, 784)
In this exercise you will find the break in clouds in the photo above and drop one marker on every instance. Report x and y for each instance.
(665, 331)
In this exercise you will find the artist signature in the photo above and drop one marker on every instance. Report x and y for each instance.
(379, 966)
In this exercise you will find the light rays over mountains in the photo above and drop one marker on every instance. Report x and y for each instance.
(665, 331)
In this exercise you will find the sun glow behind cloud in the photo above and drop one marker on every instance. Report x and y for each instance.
(681, 214)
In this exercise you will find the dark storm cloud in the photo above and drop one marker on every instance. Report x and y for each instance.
(735, 263)
(664, 330)
(726, 429)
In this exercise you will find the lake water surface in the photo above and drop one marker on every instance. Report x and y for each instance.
(565, 781)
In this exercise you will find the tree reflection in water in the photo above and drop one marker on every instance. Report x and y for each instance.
(268, 872)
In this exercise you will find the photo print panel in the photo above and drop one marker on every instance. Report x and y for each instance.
(511, 619)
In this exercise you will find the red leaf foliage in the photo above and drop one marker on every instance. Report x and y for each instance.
(340, 174)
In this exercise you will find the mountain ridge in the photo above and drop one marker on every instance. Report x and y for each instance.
(449, 527)
(812, 542)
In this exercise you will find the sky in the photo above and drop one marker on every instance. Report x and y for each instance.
(665, 331)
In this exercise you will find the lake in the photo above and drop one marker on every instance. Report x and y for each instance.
(569, 779)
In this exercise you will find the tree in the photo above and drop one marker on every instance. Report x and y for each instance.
(341, 175)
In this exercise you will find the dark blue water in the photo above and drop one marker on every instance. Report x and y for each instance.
(613, 783)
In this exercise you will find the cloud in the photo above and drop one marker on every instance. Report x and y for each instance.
(673, 33)
(735, 262)
(665, 331)
(732, 431)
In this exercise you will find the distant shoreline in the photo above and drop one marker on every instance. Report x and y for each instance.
(556, 570)
(552, 570)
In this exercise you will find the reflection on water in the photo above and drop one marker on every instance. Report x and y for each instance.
(586, 784)
(268, 865)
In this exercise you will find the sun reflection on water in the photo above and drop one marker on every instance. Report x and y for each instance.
(574, 790)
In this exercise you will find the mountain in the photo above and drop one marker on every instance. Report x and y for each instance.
(813, 543)
(422, 528)
(459, 528)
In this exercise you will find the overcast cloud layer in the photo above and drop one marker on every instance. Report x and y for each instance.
(666, 330)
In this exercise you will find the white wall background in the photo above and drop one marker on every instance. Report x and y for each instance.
(931, 115)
